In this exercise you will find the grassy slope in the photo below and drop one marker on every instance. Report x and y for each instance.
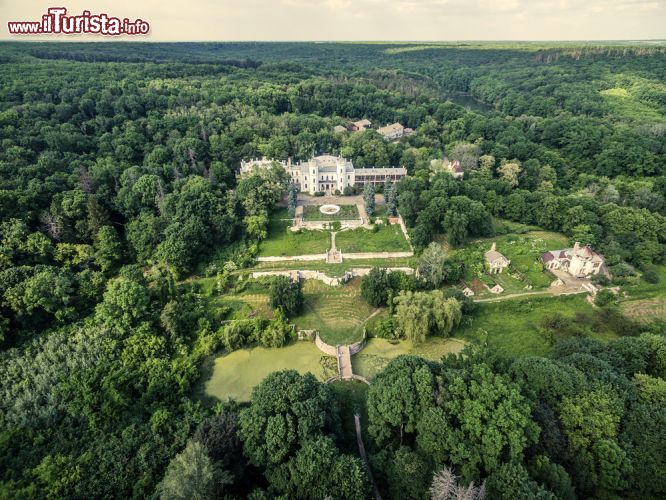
(513, 326)
(337, 312)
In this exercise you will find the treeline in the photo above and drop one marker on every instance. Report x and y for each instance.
(464, 209)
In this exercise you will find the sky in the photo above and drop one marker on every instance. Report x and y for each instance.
(364, 20)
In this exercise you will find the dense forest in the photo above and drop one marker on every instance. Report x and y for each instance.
(118, 184)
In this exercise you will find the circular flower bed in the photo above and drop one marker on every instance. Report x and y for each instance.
(329, 209)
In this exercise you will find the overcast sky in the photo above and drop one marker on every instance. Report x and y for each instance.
(196, 20)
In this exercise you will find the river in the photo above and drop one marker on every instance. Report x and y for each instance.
(467, 101)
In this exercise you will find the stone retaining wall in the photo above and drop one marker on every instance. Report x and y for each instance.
(378, 255)
(323, 277)
(324, 347)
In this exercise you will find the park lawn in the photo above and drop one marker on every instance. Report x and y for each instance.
(337, 312)
(282, 242)
(334, 269)
(512, 326)
(385, 239)
(234, 375)
(347, 212)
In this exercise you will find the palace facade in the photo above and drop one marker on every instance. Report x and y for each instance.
(326, 173)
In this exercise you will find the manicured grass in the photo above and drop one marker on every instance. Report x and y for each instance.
(334, 269)
(512, 326)
(347, 212)
(282, 242)
(337, 312)
(386, 239)
(379, 352)
(234, 375)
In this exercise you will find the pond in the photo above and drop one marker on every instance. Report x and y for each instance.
(379, 352)
(234, 375)
(468, 101)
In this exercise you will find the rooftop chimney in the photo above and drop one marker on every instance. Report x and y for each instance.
(576, 246)
(493, 248)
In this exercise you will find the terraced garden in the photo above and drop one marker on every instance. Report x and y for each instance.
(337, 312)
(385, 239)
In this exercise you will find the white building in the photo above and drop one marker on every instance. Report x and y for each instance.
(327, 173)
(495, 261)
(393, 131)
(577, 261)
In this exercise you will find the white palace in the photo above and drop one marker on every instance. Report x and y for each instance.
(326, 173)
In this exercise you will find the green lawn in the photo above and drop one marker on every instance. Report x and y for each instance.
(337, 312)
(386, 239)
(513, 325)
(347, 212)
(282, 242)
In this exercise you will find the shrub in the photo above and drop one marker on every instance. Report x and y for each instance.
(238, 334)
(604, 298)
(650, 275)
(277, 333)
(286, 295)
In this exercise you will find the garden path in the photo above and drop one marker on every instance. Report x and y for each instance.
(526, 294)
(364, 457)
